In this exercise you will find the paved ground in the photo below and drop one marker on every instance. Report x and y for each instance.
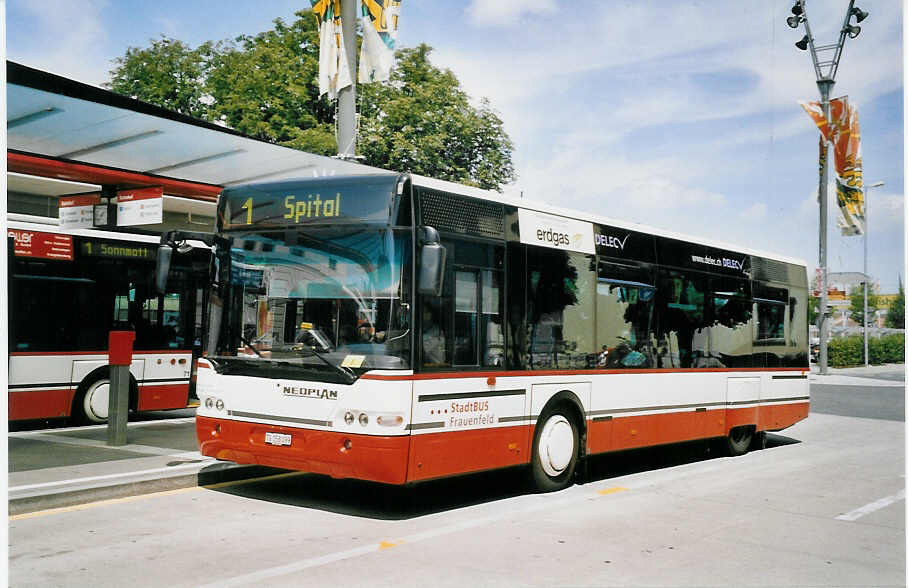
(823, 505)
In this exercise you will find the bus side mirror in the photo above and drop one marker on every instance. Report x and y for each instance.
(432, 263)
(162, 269)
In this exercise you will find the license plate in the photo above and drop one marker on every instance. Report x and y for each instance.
(277, 439)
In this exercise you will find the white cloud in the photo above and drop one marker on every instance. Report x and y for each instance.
(79, 36)
(506, 12)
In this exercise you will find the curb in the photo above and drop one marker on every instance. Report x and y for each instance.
(77, 493)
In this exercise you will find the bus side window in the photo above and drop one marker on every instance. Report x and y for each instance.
(681, 320)
(435, 351)
(561, 299)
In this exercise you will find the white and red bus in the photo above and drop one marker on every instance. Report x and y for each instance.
(68, 290)
(399, 329)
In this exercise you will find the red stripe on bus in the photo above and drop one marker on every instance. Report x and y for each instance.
(104, 352)
(163, 397)
(379, 459)
(396, 460)
(40, 404)
(482, 374)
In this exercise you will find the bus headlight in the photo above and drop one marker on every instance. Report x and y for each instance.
(219, 404)
(363, 419)
(349, 418)
(209, 402)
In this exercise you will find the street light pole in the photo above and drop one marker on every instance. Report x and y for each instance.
(825, 82)
(867, 277)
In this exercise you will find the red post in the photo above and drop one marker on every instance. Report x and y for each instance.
(119, 359)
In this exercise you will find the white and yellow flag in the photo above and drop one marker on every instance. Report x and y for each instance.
(333, 71)
(379, 19)
(844, 133)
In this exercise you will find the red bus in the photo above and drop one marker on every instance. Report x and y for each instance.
(399, 329)
(68, 290)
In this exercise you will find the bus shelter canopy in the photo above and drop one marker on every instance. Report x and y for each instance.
(61, 120)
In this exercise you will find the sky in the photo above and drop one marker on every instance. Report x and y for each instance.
(677, 115)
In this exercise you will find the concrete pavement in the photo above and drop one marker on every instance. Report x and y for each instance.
(53, 468)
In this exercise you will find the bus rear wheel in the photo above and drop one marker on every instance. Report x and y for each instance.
(556, 446)
(739, 440)
(91, 402)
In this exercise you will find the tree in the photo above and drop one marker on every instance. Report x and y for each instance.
(857, 305)
(266, 86)
(422, 121)
(169, 74)
(813, 309)
(895, 318)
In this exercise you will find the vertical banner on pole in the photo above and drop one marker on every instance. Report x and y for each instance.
(843, 131)
(333, 72)
(380, 19)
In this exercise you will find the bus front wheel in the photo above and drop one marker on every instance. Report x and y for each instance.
(555, 451)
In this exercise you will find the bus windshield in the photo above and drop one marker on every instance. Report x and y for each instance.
(323, 298)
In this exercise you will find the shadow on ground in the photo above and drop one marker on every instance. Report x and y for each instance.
(384, 502)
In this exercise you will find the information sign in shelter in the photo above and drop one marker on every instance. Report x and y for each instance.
(144, 206)
(77, 212)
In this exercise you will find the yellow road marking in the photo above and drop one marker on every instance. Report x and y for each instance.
(387, 545)
(612, 490)
(87, 505)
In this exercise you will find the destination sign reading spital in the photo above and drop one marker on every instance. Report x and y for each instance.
(319, 201)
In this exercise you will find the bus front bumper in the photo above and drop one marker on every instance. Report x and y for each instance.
(339, 455)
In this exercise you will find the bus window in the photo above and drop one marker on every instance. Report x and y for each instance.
(560, 307)
(56, 313)
(466, 310)
(624, 317)
(493, 339)
(771, 312)
(681, 320)
(435, 350)
(731, 323)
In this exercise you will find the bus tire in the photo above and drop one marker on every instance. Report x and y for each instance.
(739, 440)
(556, 447)
(90, 405)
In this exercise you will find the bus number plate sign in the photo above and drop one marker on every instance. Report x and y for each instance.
(277, 439)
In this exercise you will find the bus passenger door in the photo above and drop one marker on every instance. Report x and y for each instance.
(741, 401)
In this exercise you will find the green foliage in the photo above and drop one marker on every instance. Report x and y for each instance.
(895, 319)
(168, 74)
(422, 121)
(266, 86)
(857, 304)
(813, 309)
(849, 351)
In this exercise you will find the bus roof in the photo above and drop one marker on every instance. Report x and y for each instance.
(576, 214)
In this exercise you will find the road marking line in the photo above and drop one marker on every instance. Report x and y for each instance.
(612, 490)
(178, 421)
(87, 505)
(200, 464)
(872, 507)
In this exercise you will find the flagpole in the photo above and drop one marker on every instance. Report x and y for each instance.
(346, 97)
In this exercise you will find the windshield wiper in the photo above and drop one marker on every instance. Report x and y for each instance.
(345, 371)
(246, 342)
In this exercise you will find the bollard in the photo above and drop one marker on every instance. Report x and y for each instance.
(120, 357)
